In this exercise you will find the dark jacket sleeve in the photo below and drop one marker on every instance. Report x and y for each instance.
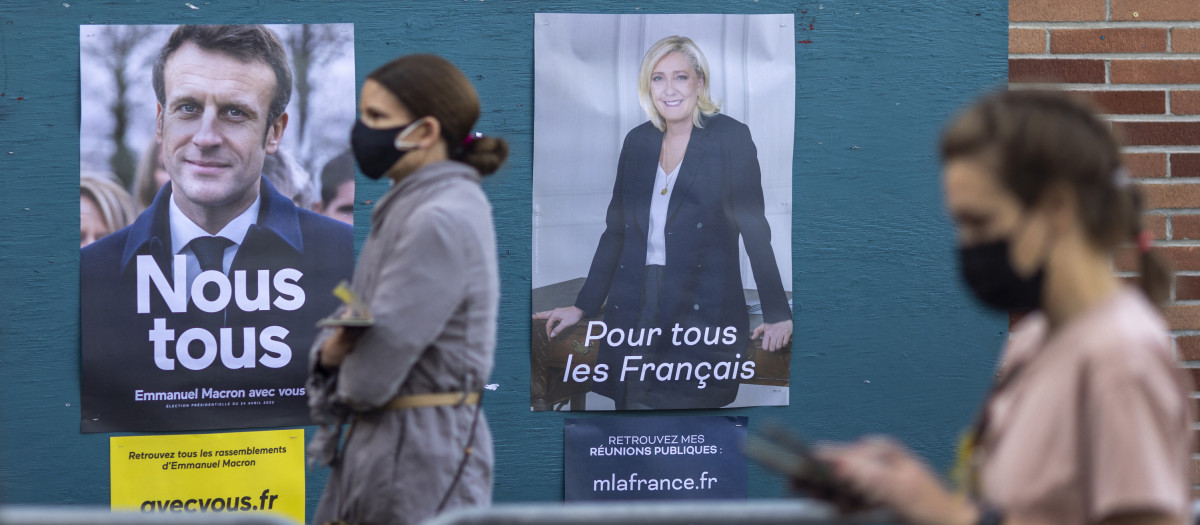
(749, 212)
(608, 251)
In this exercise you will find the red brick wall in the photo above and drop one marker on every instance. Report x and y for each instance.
(1140, 62)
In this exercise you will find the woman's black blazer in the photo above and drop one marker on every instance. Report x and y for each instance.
(717, 198)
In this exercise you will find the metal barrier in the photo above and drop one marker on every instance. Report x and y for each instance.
(23, 515)
(754, 512)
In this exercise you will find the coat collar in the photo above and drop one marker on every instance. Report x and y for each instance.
(150, 233)
(692, 159)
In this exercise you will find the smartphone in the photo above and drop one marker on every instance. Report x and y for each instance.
(783, 451)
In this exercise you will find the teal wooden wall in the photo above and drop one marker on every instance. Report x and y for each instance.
(886, 339)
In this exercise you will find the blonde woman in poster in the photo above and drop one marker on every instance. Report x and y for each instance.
(104, 207)
(688, 186)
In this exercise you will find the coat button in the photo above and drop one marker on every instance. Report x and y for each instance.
(695, 307)
(616, 307)
(621, 266)
(699, 225)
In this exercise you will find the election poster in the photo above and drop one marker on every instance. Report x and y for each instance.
(244, 472)
(210, 157)
(662, 211)
(655, 458)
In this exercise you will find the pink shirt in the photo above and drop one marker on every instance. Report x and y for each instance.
(1095, 422)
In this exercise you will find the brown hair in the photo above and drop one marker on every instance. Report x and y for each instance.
(247, 43)
(145, 184)
(1038, 139)
(337, 171)
(428, 85)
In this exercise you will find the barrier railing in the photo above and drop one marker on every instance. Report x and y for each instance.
(754, 512)
(31, 515)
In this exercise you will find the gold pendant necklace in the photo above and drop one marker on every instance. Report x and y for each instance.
(667, 182)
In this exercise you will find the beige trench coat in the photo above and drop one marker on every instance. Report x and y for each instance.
(428, 272)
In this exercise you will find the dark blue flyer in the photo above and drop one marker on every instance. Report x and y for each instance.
(655, 458)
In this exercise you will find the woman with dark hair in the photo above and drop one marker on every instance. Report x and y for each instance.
(1088, 421)
(409, 383)
(688, 188)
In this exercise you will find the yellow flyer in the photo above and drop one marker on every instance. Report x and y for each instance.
(210, 473)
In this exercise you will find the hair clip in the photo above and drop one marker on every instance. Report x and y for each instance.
(471, 137)
(1144, 240)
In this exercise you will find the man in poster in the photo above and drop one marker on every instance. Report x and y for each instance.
(200, 313)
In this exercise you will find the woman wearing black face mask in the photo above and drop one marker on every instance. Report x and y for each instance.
(409, 384)
(1089, 420)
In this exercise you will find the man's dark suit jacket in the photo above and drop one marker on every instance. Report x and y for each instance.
(717, 197)
(118, 356)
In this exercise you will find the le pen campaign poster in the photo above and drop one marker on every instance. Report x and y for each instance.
(205, 256)
(662, 211)
(654, 458)
(210, 473)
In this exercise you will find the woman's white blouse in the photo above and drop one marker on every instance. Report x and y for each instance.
(656, 243)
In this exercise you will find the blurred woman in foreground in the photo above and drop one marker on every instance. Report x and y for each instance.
(1088, 421)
